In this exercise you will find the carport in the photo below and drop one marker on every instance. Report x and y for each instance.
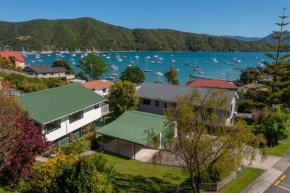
(127, 133)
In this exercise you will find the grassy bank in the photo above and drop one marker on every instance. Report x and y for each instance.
(279, 150)
(249, 175)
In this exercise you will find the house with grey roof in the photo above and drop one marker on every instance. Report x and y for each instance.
(43, 71)
(64, 110)
(154, 98)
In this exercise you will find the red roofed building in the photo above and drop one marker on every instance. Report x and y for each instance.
(222, 84)
(99, 86)
(18, 62)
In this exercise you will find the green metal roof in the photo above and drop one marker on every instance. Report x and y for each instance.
(131, 126)
(51, 104)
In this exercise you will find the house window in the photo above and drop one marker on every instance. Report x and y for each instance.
(156, 103)
(104, 90)
(165, 105)
(76, 116)
(52, 126)
(146, 102)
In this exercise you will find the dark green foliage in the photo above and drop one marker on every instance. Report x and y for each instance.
(277, 127)
(122, 97)
(82, 76)
(77, 147)
(84, 33)
(64, 64)
(133, 74)
(32, 84)
(251, 75)
(8, 65)
(278, 70)
(245, 106)
(171, 75)
(92, 66)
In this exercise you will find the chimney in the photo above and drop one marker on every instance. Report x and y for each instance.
(28, 64)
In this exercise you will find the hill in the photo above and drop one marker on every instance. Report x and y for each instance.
(242, 38)
(269, 39)
(83, 33)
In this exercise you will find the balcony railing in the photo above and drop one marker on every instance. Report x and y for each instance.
(104, 109)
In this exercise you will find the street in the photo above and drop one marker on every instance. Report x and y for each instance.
(281, 184)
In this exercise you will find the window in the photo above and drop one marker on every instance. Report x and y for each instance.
(52, 126)
(104, 90)
(165, 105)
(97, 106)
(156, 103)
(173, 104)
(146, 102)
(76, 116)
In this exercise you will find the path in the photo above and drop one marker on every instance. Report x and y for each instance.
(269, 177)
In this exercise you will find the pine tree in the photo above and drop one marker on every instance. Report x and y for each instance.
(278, 70)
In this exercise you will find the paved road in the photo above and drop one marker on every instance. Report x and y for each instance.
(281, 184)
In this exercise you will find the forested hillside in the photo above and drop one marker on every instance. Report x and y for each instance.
(83, 33)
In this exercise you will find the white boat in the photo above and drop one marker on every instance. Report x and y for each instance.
(205, 62)
(159, 74)
(32, 61)
(173, 60)
(146, 68)
(104, 55)
(124, 56)
(214, 60)
(158, 62)
(131, 61)
(73, 55)
(72, 59)
(152, 61)
(114, 74)
(129, 65)
(136, 57)
(110, 78)
(120, 59)
(226, 62)
(108, 57)
(238, 61)
(155, 56)
(201, 72)
(159, 58)
(74, 63)
(177, 69)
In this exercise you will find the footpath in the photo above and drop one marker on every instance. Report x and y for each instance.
(267, 178)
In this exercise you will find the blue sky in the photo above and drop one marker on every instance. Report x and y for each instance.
(252, 18)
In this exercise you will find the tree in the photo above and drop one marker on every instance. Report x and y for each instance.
(133, 74)
(122, 97)
(20, 140)
(197, 135)
(64, 64)
(70, 173)
(93, 66)
(82, 76)
(277, 127)
(251, 75)
(171, 75)
(278, 70)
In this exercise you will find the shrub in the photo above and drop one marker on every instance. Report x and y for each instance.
(245, 106)
(77, 147)
(92, 137)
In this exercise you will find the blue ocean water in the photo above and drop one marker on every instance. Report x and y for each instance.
(203, 60)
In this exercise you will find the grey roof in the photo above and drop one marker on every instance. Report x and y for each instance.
(44, 69)
(166, 92)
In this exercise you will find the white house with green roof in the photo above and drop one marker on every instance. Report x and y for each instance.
(64, 110)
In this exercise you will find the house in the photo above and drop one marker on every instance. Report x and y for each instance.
(155, 97)
(205, 83)
(99, 86)
(64, 110)
(43, 71)
(18, 62)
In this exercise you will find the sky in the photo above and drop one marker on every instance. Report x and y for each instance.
(250, 18)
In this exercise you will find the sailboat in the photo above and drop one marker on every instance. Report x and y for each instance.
(235, 58)
(196, 68)
(131, 61)
(109, 78)
(187, 62)
(114, 73)
(146, 68)
(159, 73)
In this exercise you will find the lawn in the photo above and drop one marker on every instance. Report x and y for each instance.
(279, 150)
(142, 177)
(249, 175)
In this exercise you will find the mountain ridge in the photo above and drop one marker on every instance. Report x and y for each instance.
(87, 32)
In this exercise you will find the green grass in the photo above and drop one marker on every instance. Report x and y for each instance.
(248, 176)
(142, 177)
(279, 150)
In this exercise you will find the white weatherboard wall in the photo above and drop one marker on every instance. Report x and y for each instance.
(90, 114)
